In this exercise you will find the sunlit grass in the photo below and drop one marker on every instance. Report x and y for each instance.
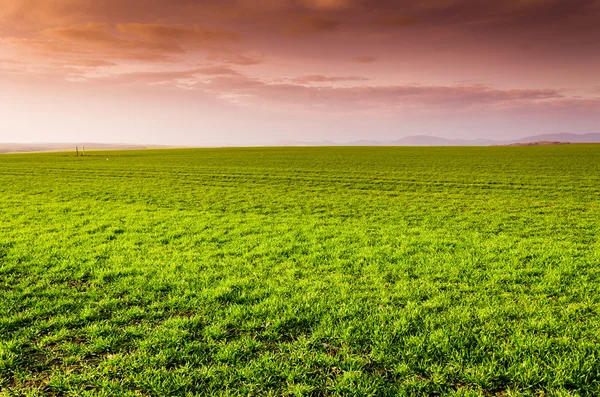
(301, 271)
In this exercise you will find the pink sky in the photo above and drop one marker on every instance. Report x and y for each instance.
(260, 71)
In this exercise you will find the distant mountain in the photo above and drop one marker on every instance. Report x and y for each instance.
(415, 140)
(538, 143)
(428, 140)
(300, 143)
(565, 137)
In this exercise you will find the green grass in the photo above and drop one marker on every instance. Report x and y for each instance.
(301, 271)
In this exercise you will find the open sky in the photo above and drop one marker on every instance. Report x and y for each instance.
(257, 71)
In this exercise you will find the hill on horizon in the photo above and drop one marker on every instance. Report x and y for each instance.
(413, 140)
(429, 140)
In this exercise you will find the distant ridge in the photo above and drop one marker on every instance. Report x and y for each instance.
(424, 140)
(538, 143)
(563, 138)
(415, 140)
(427, 140)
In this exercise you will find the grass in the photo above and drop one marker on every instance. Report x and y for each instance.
(301, 271)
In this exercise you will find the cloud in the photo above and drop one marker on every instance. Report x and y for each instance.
(544, 11)
(516, 13)
(90, 32)
(167, 35)
(176, 33)
(237, 59)
(296, 54)
(318, 92)
(9, 62)
(326, 79)
(384, 97)
(312, 24)
(163, 77)
(131, 41)
(397, 21)
(508, 19)
(91, 63)
(364, 59)
(78, 64)
(217, 71)
(156, 36)
(9, 66)
(39, 12)
(327, 4)
(67, 43)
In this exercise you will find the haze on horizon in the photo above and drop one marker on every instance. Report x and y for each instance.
(187, 72)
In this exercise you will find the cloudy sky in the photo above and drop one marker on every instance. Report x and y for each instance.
(257, 71)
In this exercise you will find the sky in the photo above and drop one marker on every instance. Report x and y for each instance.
(221, 72)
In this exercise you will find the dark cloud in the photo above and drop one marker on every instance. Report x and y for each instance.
(325, 5)
(477, 11)
(318, 35)
(394, 12)
(228, 18)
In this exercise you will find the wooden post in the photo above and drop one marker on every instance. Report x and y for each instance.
(77, 151)
(84, 151)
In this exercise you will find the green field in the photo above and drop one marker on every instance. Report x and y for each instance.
(301, 271)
